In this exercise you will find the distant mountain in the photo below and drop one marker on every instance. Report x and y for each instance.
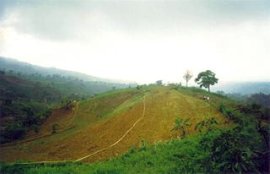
(244, 88)
(8, 64)
(67, 82)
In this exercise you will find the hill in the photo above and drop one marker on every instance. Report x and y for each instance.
(99, 122)
(142, 131)
(66, 82)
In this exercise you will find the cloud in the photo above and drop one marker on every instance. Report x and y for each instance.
(62, 20)
(141, 40)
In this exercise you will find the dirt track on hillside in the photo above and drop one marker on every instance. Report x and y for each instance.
(120, 139)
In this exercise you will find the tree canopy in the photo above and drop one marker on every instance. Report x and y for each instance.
(206, 78)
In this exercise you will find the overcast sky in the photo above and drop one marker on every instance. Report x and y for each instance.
(141, 40)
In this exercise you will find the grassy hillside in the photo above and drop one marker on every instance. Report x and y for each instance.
(98, 122)
(233, 142)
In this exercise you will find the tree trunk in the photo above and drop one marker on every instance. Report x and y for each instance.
(209, 88)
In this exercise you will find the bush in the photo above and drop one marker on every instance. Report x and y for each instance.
(208, 124)
(181, 126)
(222, 109)
(230, 156)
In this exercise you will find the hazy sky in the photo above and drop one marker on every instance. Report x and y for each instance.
(141, 40)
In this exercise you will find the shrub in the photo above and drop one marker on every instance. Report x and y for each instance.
(181, 125)
(55, 127)
(222, 109)
(230, 156)
(207, 124)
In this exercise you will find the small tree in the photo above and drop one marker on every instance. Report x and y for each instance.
(181, 125)
(159, 82)
(188, 75)
(206, 78)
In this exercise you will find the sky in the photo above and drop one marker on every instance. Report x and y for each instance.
(141, 40)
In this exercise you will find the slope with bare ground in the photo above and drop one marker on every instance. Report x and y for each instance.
(127, 117)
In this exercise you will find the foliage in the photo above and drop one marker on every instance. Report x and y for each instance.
(228, 113)
(206, 78)
(23, 116)
(181, 125)
(230, 156)
(207, 124)
(256, 110)
(244, 148)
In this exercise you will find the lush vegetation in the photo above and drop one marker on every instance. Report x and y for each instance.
(24, 104)
(241, 148)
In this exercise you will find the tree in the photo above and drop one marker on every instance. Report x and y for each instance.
(188, 75)
(206, 78)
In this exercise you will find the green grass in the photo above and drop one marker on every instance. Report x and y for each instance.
(193, 154)
(166, 157)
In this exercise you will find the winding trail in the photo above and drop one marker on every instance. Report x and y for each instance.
(120, 139)
(98, 151)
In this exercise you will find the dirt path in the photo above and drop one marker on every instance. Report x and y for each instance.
(100, 150)
(120, 139)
